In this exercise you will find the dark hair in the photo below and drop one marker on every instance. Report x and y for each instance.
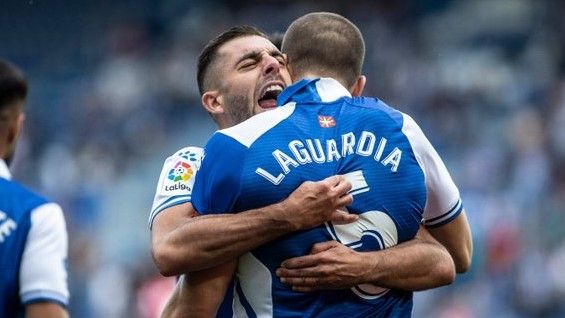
(327, 43)
(208, 54)
(13, 84)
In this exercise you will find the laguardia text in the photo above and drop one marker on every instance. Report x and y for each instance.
(301, 152)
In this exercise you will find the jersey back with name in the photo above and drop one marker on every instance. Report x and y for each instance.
(261, 161)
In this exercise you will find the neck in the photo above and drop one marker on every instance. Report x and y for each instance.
(318, 75)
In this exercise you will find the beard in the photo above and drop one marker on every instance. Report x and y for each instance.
(238, 108)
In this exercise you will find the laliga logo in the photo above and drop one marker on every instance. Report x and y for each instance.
(373, 231)
(180, 172)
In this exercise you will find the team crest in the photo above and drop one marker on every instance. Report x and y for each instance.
(326, 121)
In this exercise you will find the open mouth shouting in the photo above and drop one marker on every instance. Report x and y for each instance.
(268, 94)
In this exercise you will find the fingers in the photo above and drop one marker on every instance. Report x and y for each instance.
(334, 180)
(301, 283)
(339, 184)
(300, 262)
(345, 200)
(324, 246)
(298, 272)
(304, 289)
(302, 280)
(343, 186)
(341, 217)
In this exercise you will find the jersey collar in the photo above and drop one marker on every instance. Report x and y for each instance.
(323, 90)
(4, 172)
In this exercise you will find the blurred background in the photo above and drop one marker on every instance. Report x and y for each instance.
(113, 93)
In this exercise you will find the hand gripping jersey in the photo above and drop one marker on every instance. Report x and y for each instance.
(33, 249)
(398, 182)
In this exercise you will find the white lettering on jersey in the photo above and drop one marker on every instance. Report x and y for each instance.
(366, 144)
(7, 225)
(284, 160)
(347, 145)
(301, 155)
(274, 180)
(348, 142)
(394, 159)
(318, 153)
(331, 147)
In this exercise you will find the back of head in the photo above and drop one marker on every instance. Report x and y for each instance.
(325, 44)
(13, 87)
(13, 92)
(207, 74)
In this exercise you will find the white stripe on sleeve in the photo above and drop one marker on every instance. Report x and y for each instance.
(442, 200)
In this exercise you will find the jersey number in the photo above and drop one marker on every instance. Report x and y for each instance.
(373, 231)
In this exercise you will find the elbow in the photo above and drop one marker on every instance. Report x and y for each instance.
(165, 260)
(463, 259)
(463, 264)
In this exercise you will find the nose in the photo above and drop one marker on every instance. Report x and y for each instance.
(270, 65)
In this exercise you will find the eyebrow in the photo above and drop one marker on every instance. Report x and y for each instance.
(254, 55)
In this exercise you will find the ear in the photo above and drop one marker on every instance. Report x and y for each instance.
(359, 86)
(213, 102)
(16, 128)
(289, 68)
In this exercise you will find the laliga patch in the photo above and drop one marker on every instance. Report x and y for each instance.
(179, 178)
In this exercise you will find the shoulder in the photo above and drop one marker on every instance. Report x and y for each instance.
(186, 159)
(48, 216)
(20, 194)
(252, 129)
(189, 153)
(376, 109)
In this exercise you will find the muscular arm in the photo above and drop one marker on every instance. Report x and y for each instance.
(182, 243)
(45, 310)
(456, 237)
(201, 293)
(418, 264)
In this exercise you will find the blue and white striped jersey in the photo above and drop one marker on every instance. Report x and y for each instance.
(398, 179)
(33, 249)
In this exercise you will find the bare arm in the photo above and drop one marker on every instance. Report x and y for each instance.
(456, 237)
(418, 264)
(45, 310)
(182, 243)
(200, 294)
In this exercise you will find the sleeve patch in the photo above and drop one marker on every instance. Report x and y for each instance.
(178, 177)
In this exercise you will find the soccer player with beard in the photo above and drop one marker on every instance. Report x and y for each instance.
(243, 65)
(398, 178)
(181, 244)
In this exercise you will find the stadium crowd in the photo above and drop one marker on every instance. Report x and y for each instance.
(113, 92)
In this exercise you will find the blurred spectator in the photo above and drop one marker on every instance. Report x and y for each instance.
(117, 81)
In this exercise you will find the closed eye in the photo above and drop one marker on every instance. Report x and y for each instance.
(281, 59)
(246, 64)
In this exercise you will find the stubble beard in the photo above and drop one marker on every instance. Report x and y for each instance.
(238, 109)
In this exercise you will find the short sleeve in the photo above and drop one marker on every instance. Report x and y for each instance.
(443, 202)
(43, 271)
(217, 187)
(176, 180)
